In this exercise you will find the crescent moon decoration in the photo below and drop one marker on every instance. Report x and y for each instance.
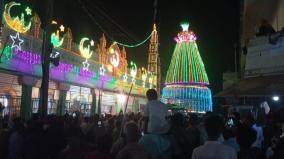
(115, 58)
(55, 36)
(16, 23)
(55, 40)
(144, 76)
(133, 71)
(85, 52)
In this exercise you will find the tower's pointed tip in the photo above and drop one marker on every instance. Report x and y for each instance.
(185, 25)
(154, 27)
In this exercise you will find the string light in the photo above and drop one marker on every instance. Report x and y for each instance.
(135, 45)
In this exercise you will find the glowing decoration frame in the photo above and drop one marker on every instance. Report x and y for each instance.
(85, 52)
(144, 76)
(115, 55)
(17, 23)
(133, 71)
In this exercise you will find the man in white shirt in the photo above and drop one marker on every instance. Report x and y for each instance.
(214, 149)
(155, 114)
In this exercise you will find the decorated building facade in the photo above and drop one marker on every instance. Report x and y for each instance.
(90, 77)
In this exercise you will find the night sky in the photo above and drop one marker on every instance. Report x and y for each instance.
(214, 22)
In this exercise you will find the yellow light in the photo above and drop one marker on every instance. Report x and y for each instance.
(16, 23)
(85, 51)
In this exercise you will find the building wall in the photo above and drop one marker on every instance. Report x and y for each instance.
(265, 58)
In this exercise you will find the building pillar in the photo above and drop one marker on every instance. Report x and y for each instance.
(63, 88)
(94, 102)
(26, 99)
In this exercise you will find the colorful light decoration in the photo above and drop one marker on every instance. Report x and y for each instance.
(86, 65)
(27, 57)
(125, 77)
(16, 23)
(17, 41)
(144, 76)
(102, 70)
(133, 71)
(115, 55)
(7, 52)
(55, 36)
(85, 52)
(150, 80)
(54, 54)
(186, 79)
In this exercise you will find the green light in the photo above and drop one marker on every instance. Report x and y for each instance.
(28, 11)
(186, 65)
(8, 53)
(56, 41)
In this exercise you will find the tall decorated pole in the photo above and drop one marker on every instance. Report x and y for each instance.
(153, 59)
(46, 50)
(186, 81)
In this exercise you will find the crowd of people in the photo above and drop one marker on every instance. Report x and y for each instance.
(153, 134)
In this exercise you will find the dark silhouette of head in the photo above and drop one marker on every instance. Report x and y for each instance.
(213, 126)
(249, 120)
(193, 119)
(152, 94)
(246, 137)
(177, 120)
(132, 132)
(228, 133)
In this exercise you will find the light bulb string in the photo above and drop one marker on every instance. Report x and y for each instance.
(135, 45)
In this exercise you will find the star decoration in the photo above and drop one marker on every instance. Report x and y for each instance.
(92, 43)
(86, 65)
(17, 42)
(102, 70)
(54, 55)
(125, 77)
(28, 11)
(62, 28)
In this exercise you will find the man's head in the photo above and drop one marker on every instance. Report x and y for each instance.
(246, 136)
(152, 94)
(132, 132)
(213, 126)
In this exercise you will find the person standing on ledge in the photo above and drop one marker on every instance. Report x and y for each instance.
(155, 114)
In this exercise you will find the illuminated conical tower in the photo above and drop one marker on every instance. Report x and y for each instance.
(186, 81)
(153, 59)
